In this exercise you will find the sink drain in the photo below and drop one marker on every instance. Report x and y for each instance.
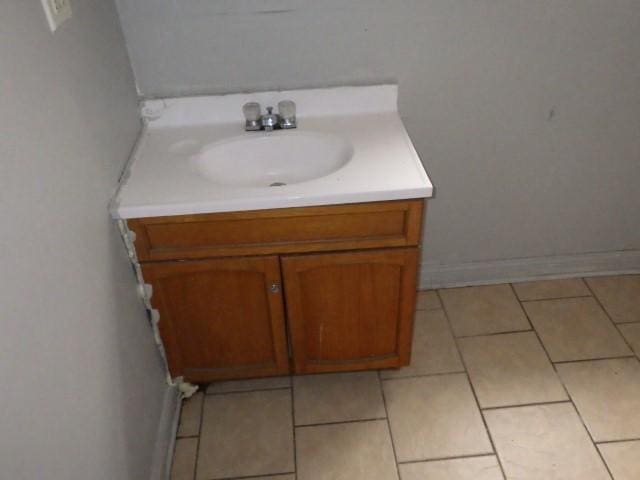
(277, 184)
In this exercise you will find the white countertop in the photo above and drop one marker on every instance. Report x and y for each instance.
(161, 179)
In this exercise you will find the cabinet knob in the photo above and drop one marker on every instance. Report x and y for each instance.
(275, 288)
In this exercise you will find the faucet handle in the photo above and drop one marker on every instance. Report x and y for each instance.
(251, 111)
(287, 111)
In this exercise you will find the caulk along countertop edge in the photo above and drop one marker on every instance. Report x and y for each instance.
(159, 181)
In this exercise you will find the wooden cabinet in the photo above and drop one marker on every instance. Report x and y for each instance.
(234, 290)
(221, 318)
(350, 311)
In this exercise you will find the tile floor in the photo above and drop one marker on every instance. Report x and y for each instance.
(536, 380)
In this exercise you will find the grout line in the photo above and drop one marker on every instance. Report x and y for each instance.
(195, 466)
(548, 355)
(561, 362)
(593, 442)
(574, 406)
(340, 422)
(257, 477)
(293, 426)
(515, 294)
(264, 475)
(386, 411)
(454, 457)
(549, 359)
(533, 404)
(598, 359)
(486, 425)
(439, 374)
(544, 348)
(533, 300)
(507, 332)
(473, 390)
(571, 401)
(246, 391)
(432, 309)
(624, 440)
(627, 343)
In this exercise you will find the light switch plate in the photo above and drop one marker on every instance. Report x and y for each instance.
(57, 12)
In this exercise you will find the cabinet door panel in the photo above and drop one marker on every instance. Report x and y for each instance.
(351, 311)
(219, 318)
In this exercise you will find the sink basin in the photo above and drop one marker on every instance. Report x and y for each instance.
(193, 156)
(272, 159)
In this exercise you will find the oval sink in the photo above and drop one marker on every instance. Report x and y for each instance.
(272, 159)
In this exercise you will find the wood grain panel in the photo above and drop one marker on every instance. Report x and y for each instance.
(290, 230)
(219, 318)
(351, 311)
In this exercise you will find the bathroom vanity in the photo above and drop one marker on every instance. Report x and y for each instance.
(274, 257)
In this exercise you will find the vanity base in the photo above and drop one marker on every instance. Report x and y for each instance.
(273, 292)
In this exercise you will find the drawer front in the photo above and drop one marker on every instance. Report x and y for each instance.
(290, 230)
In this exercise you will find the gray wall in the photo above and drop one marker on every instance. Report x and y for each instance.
(525, 113)
(81, 382)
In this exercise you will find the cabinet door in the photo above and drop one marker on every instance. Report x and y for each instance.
(351, 311)
(220, 318)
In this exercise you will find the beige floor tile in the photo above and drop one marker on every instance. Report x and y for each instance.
(473, 468)
(510, 369)
(246, 434)
(190, 416)
(347, 451)
(269, 383)
(607, 395)
(184, 459)
(547, 289)
(434, 417)
(631, 332)
(623, 459)
(620, 296)
(575, 329)
(434, 349)
(428, 300)
(483, 310)
(544, 442)
(337, 397)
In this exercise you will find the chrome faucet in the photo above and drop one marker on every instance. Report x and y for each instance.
(284, 119)
(270, 120)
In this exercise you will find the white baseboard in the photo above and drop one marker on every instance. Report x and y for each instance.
(433, 275)
(166, 435)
